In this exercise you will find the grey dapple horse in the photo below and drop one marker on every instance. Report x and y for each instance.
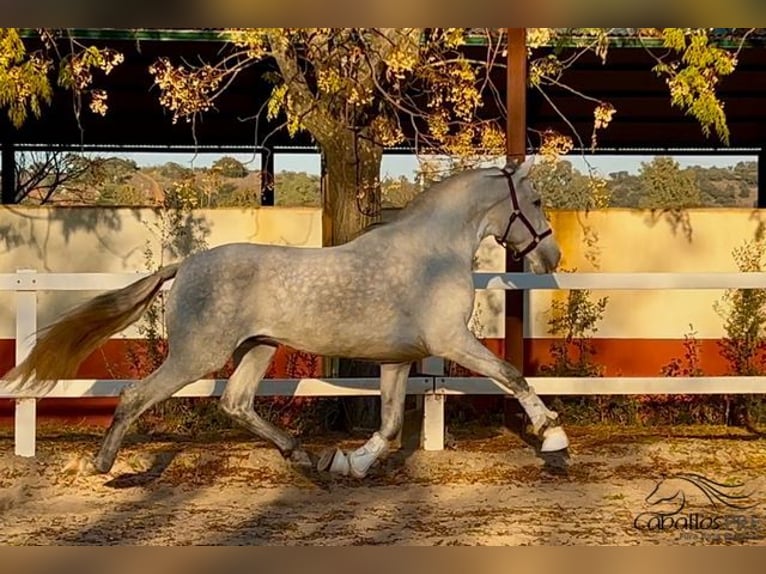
(399, 293)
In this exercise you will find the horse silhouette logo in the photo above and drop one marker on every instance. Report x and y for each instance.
(674, 494)
(720, 495)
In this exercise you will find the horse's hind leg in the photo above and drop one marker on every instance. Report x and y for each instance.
(393, 392)
(173, 375)
(237, 401)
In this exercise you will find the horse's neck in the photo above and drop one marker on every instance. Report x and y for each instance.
(442, 224)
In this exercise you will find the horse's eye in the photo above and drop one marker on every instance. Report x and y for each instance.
(538, 203)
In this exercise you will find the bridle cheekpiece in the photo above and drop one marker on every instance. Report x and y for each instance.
(508, 172)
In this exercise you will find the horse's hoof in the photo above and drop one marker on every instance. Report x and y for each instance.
(301, 458)
(335, 461)
(325, 459)
(554, 439)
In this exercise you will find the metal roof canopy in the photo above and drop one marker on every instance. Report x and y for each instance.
(645, 119)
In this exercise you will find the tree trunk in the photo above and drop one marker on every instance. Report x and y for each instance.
(351, 198)
(351, 202)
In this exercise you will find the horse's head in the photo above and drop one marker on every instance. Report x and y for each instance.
(519, 221)
(668, 490)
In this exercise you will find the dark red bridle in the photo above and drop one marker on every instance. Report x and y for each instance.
(518, 214)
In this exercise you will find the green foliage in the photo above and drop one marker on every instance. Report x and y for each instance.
(180, 234)
(296, 189)
(562, 186)
(575, 321)
(361, 80)
(744, 346)
(397, 192)
(665, 186)
(116, 181)
(694, 77)
(746, 172)
(24, 84)
(716, 186)
(690, 364)
(230, 167)
(683, 409)
(113, 178)
(174, 171)
(204, 188)
(76, 73)
(660, 184)
(54, 176)
(626, 189)
(744, 314)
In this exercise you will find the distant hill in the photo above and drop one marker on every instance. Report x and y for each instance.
(736, 186)
(229, 183)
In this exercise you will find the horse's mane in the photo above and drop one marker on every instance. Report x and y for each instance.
(429, 195)
(422, 200)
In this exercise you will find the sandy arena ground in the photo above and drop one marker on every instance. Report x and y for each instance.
(492, 490)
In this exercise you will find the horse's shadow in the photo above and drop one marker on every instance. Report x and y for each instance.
(554, 463)
(406, 445)
(322, 480)
(162, 460)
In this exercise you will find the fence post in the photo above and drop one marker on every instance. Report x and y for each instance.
(433, 408)
(25, 419)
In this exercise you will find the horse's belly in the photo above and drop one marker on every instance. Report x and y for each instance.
(377, 341)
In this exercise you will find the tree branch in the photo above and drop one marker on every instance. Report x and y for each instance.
(302, 99)
(50, 173)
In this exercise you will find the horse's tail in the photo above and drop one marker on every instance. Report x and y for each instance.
(63, 345)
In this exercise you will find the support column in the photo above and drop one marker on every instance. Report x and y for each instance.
(434, 425)
(9, 172)
(516, 147)
(25, 416)
(267, 176)
(761, 198)
(327, 233)
(330, 365)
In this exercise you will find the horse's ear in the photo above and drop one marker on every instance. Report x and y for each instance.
(521, 169)
(511, 166)
(525, 167)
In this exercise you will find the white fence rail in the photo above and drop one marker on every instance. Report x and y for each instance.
(434, 387)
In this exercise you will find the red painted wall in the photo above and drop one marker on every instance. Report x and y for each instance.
(112, 361)
(619, 357)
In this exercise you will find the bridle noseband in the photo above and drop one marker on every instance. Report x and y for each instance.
(518, 214)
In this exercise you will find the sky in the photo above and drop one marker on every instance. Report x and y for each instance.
(397, 165)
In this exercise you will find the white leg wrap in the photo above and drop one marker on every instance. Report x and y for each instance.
(538, 413)
(362, 458)
(554, 438)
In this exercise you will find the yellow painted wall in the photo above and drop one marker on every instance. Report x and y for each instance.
(634, 241)
(88, 239)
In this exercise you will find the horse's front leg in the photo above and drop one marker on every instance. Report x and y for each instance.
(468, 352)
(393, 392)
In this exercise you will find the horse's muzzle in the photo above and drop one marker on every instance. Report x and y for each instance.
(546, 258)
